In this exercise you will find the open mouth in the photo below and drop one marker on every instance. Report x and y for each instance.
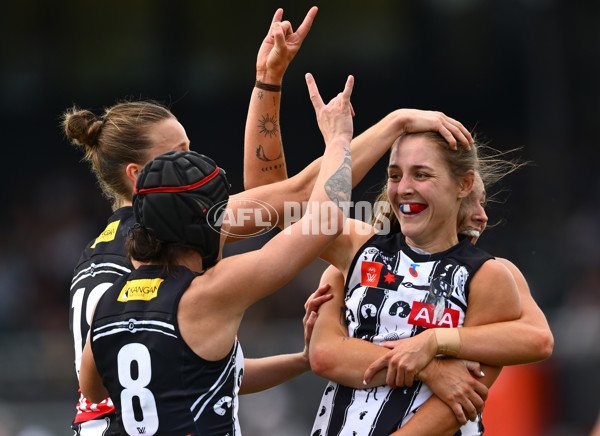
(412, 208)
(471, 234)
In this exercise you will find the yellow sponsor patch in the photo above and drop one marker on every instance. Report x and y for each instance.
(108, 234)
(141, 289)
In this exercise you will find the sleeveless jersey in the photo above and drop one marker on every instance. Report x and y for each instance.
(158, 384)
(392, 293)
(102, 262)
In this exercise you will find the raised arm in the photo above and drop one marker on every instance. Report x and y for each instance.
(222, 294)
(264, 161)
(366, 150)
(289, 251)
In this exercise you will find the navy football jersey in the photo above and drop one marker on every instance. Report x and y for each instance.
(102, 262)
(158, 384)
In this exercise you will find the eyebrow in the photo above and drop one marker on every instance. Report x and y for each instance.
(414, 167)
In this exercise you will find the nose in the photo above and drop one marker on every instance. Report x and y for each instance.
(480, 216)
(404, 187)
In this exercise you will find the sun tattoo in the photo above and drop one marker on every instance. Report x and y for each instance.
(268, 125)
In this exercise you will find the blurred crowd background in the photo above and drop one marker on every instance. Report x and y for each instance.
(520, 73)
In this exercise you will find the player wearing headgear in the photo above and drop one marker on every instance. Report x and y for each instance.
(163, 341)
(135, 322)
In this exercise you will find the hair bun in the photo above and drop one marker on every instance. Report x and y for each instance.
(82, 127)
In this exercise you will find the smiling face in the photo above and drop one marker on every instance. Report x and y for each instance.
(472, 218)
(424, 195)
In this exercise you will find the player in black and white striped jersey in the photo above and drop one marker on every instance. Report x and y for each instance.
(523, 340)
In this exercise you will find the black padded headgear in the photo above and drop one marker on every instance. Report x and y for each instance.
(173, 196)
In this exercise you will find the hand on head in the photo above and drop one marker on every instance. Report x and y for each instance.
(415, 121)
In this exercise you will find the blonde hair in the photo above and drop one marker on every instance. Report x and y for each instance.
(458, 161)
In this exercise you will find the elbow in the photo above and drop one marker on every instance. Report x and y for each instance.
(339, 222)
(92, 389)
(255, 181)
(93, 396)
(545, 344)
(541, 345)
(330, 219)
(250, 182)
(96, 399)
(321, 361)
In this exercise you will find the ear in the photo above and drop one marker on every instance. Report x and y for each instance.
(133, 171)
(466, 184)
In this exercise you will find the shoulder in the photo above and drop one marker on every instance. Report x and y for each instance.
(109, 298)
(470, 256)
(348, 244)
(493, 296)
(385, 241)
(520, 279)
(493, 278)
(110, 242)
(510, 266)
(494, 269)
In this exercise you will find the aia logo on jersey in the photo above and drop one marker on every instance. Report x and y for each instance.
(376, 275)
(422, 314)
(141, 289)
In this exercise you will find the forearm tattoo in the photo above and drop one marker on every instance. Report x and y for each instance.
(260, 154)
(260, 94)
(271, 167)
(268, 125)
(339, 186)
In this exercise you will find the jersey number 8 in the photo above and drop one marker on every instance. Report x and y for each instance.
(133, 388)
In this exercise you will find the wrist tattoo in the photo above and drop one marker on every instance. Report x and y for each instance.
(268, 125)
(260, 94)
(339, 186)
(260, 154)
